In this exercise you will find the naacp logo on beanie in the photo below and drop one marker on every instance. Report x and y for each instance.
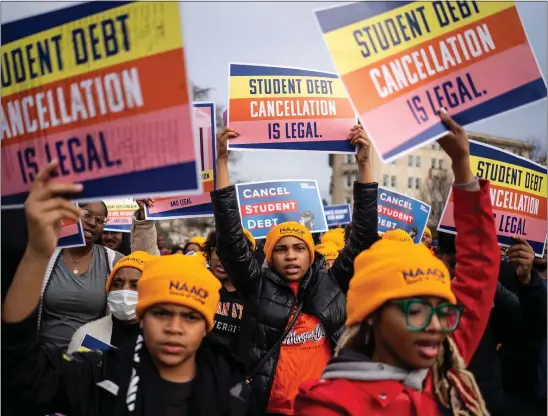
(292, 231)
(415, 275)
(177, 288)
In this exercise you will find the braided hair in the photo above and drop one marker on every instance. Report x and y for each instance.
(454, 386)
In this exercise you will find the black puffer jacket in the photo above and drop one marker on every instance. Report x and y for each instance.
(268, 299)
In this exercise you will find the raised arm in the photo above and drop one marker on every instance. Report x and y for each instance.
(144, 236)
(241, 267)
(364, 216)
(478, 255)
(39, 377)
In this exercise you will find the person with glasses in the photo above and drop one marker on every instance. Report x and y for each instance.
(73, 292)
(411, 330)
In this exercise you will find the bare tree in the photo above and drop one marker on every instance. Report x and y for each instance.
(538, 150)
(435, 191)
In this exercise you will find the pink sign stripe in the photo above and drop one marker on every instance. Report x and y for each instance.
(386, 123)
(130, 143)
(69, 230)
(251, 132)
(164, 205)
(535, 229)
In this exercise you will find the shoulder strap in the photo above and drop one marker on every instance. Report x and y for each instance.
(276, 346)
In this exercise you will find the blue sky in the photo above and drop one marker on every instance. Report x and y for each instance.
(285, 33)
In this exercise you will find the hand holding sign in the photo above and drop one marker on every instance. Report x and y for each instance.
(359, 139)
(45, 210)
(222, 141)
(455, 143)
(521, 256)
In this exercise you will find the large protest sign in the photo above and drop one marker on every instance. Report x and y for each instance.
(518, 194)
(402, 61)
(120, 214)
(289, 109)
(400, 211)
(188, 206)
(90, 343)
(72, 234)
(338, 214)
(101, 87)
(263, 205)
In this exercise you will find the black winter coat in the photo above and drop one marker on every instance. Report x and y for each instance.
(268, 299)
(37, 380)
(518, 316)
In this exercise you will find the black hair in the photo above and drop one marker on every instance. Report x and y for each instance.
(446, 243)
(211, 243)
(175, 249)
(83, 204)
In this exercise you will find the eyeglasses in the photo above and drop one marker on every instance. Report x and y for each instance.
(418, 314)
(88, 216)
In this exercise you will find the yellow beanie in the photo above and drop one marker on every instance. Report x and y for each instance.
(288, 229)
(181, 280)
(427, 232)
(398, 235)
(334, 236)
(394, 270)
(137, 260)
(197, 240)
(250, 238)
(328, 250)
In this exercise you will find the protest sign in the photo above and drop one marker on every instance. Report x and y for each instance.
(72, 234)
(402, 61)
(263, 205)
(338, 214)
(518, 194)
(102, 88)
(187, 206)
(120, 214)
(281, 108)
(397, 210)
(90, 343)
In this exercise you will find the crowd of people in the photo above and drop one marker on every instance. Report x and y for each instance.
(347, 323)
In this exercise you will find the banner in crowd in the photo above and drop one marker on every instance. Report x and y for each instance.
(72, 234)
(263, 205)
(281, 108)
(402, 61)
(102, 88)
(188, 206)
(90, 343)
(397, 210)
(518, 194)
(338, 214)
(120, 214)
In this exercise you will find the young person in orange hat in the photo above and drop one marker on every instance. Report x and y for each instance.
(121, 322)
(170, 369)
(293, 287)
(411, 331)
(329, 251)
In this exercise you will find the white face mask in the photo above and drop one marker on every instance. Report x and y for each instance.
(122, 304)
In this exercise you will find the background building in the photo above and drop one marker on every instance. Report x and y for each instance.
(425, 173)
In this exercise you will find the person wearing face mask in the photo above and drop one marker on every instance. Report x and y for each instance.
(121, 324)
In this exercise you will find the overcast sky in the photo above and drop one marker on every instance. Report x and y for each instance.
(285, 33)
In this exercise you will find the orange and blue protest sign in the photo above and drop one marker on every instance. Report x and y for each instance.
(281, 108)
(403, 212)
(102, 88)
(401, 61)
(263, 205)
(72, 234)
(190, 206)
(120, 215)
(518, 194)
